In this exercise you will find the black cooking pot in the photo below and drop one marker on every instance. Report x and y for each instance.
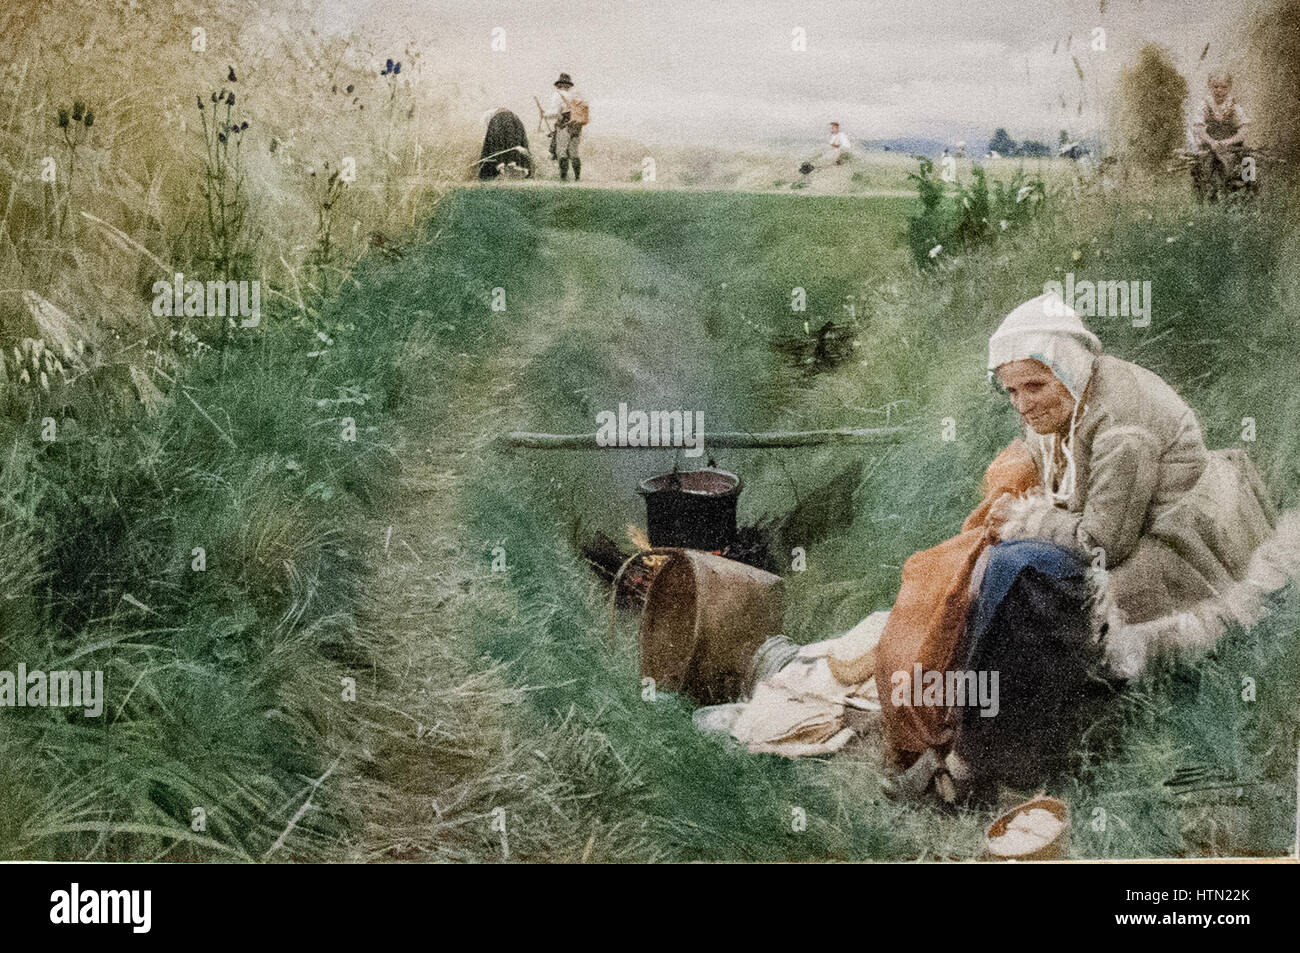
(695, 509)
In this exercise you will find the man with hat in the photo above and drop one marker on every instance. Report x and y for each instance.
(567, 135)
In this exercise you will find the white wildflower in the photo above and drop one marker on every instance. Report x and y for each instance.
(934, 252)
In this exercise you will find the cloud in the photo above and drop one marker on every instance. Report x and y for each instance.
(724, 70)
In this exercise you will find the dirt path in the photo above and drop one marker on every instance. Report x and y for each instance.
(443, 757)
(598, 322)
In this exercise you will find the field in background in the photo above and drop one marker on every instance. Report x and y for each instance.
(620, 163)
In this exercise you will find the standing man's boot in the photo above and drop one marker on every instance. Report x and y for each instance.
(577, 169)
(564, 170)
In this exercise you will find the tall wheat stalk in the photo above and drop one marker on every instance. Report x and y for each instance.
(225, 199)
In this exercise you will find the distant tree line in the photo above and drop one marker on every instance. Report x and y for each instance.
(1004, 145)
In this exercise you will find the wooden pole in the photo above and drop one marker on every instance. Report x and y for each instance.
(727, 440)
(543, 124)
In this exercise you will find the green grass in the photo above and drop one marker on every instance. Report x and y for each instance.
(637, 281)
(479, 690)
(222, 681)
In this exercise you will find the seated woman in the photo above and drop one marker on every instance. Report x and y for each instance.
(1220, 131)
(1182, 541)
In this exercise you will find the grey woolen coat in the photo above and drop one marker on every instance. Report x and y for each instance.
(1185, 539)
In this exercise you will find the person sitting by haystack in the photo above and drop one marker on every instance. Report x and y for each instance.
(1109, 534)
(839, 149)
(1220, 130)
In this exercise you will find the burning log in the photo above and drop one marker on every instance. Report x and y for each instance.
(606, 557)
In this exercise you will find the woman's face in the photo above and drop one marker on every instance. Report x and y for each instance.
(1219, 90)
(1039, 397)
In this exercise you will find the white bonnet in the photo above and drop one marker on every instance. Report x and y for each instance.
(1047, 330)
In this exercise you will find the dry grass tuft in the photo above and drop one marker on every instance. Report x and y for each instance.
(91, 214)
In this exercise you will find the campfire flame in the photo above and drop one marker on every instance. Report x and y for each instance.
(641, 540)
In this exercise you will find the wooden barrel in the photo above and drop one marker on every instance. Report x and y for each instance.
(705, 616)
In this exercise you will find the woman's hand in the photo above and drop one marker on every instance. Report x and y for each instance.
(1002, 509)
(997, 515)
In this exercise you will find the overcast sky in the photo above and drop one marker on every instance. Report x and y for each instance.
(724, 71)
